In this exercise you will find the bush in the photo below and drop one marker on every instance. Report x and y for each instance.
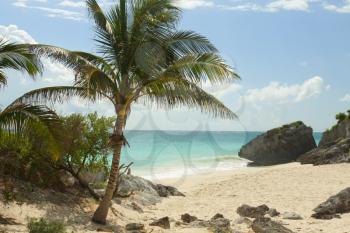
(341, 117)
(45, 226)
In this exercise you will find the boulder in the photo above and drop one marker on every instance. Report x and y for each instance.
(279, 145)
(187, 218)
(166, 191)
(142, 191)
(252, 212)
(266, 225)
(340, 131)
(291, 216)
(162, 222)
(331, 153)
(333, 206)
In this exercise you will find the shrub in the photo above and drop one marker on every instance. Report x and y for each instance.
(45, 226)
(341, 117)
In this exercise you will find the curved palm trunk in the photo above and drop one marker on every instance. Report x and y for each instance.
(101, 212)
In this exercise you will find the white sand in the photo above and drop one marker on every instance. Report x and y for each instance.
(290, 187)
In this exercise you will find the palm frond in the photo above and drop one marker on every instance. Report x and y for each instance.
(171, 93)
(199, 68)
(16, 116)
(18, 57)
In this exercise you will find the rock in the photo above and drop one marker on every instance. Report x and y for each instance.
(242, 220)
(166, 191)
(162, 222)
(188, 218)
(136, 207)
(280, 145)
(217, 216)
(291, 216)
(134, 226)
(337, 204)
(252, 212)
(273, 212)
(266, 225)
(339, 131)
(331, 153)
(67, 179)
(142, 191)
(104, 229)
(220, 224)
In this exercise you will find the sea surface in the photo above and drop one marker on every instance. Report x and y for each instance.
(176, 154)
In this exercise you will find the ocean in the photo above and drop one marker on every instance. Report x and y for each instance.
(176, 154)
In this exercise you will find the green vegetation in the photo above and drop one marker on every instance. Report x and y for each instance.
(37, 157)
(143, 58)
(45, 226)
(341, 117)
(17, 57)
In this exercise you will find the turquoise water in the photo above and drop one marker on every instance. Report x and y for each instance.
(170, 154)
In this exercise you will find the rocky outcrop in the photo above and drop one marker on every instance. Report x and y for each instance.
(335, 205)
(252, 212)
(280, 145)
(339, 131)
(142, 191)
(266, 225)
(331, 153)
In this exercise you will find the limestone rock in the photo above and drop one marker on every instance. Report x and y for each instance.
(280, 145)
(331, 153)
(162, 222)
(266, 225)
(335, 205)
(252, 212)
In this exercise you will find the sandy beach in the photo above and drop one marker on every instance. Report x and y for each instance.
(290, 187)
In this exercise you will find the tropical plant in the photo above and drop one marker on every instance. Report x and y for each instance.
(17, 57)
(45, 226)
(341, 117)
(145, 59)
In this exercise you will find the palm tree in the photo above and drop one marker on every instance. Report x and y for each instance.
(17, 57)
(144, 59)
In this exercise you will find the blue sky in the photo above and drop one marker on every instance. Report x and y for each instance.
(293, 57)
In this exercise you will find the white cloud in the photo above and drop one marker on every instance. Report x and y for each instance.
(191, 4)
(221, 90)
(50, 12)
(339, 9)
(68, 3)
(345, 98)
(54, 73)
(283, 93)
(299, 5)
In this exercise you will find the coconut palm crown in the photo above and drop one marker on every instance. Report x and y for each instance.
(142, 58)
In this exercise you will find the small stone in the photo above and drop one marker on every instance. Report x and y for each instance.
(162, 222)
(187, 218)
(134, 226)
(216, 216)
(252, 212)
(136, 207)
(291, 216)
